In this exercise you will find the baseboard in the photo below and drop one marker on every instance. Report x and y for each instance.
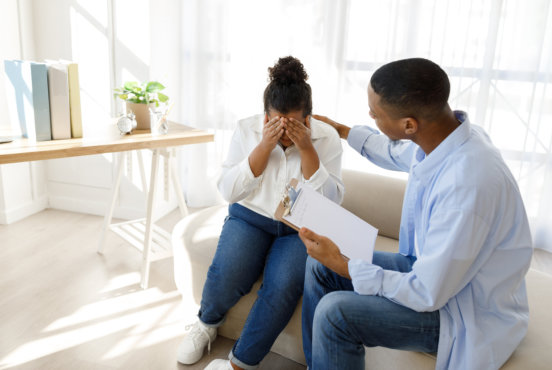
(18, 213)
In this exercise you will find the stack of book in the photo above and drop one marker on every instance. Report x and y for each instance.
(44, 98)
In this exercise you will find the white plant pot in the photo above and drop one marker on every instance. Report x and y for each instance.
(142, 113)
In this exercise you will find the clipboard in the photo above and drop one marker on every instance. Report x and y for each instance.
(354, 236)
(284, 208)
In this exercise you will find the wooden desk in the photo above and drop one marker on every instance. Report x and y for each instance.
(104, 141)
(152, 241)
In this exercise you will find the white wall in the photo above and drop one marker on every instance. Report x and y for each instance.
(22, 185)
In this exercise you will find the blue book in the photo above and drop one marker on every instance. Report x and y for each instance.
(41, 101)
(28, 98)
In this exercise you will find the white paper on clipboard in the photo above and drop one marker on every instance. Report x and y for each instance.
(354, 236)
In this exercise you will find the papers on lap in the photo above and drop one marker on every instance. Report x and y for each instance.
(354, 236)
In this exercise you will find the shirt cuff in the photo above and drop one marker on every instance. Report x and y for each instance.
(319, 178)
(366, 277)
(358, 136)
(249, 178)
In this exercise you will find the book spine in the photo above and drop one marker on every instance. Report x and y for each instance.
(74, 100)
(41, 101)
(20, 98)
(60, 115)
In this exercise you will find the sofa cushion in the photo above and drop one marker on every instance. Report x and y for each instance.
(535, 351)
(376, 199)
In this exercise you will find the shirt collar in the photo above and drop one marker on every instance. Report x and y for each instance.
(425, 164)
(316, 131)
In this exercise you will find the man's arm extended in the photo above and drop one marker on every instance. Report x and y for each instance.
(342, 130)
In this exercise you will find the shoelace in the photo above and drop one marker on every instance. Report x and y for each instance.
(196, 330)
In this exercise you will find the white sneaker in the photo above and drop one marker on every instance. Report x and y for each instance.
(192, 346)
(219, 365)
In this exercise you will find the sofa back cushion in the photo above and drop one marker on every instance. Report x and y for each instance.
(376, 199)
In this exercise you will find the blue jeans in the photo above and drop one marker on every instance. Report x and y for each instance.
(338, 323)
(251, 245)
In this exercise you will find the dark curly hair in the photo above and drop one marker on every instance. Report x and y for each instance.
(413, 87)
(288, 90)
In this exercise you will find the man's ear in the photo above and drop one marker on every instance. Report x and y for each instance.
(410, 126)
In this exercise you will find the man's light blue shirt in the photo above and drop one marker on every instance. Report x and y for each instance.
(463, 207)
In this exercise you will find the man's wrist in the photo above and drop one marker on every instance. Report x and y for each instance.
(343, 267)
(343, 131)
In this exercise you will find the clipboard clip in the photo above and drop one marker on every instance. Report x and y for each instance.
(289, 197)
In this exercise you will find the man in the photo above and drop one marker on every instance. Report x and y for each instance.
(457, 286)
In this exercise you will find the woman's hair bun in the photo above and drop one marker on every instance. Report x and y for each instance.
(288, 70)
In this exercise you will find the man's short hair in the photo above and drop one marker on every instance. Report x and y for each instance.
(413, 87)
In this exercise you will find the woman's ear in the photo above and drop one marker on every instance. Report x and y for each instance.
(307, 121)
(266, 118)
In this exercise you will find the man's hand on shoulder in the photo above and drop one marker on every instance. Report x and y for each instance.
(342, 130)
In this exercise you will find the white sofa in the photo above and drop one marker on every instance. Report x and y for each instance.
(378, 200)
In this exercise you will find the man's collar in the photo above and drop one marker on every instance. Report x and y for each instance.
(426, 163)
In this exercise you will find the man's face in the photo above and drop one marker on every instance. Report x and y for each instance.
(388, 125)
(298, 115)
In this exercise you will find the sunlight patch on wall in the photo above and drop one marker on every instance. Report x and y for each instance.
(133, 27)
(90, 50)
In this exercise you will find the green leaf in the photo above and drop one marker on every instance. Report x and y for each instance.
(130, 85)
(145, 92)
(154, 86)
(162, 97)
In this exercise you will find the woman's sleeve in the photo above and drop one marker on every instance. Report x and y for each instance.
(327, 179)
(237, 181)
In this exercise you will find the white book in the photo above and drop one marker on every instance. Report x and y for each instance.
(60, 114)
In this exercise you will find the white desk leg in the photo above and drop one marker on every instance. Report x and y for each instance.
(120, 158)
(176, 183)
(142, 171)
(149, 219)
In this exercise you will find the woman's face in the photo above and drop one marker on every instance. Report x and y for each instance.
(298, 115)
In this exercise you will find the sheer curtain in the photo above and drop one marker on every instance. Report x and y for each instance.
(498, 54)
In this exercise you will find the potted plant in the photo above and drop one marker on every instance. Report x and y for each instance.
(139, 97)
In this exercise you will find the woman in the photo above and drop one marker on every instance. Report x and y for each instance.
(265, 154)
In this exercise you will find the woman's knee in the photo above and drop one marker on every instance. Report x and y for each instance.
(285, 290)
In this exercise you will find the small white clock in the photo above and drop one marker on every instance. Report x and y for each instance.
(126, 124)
